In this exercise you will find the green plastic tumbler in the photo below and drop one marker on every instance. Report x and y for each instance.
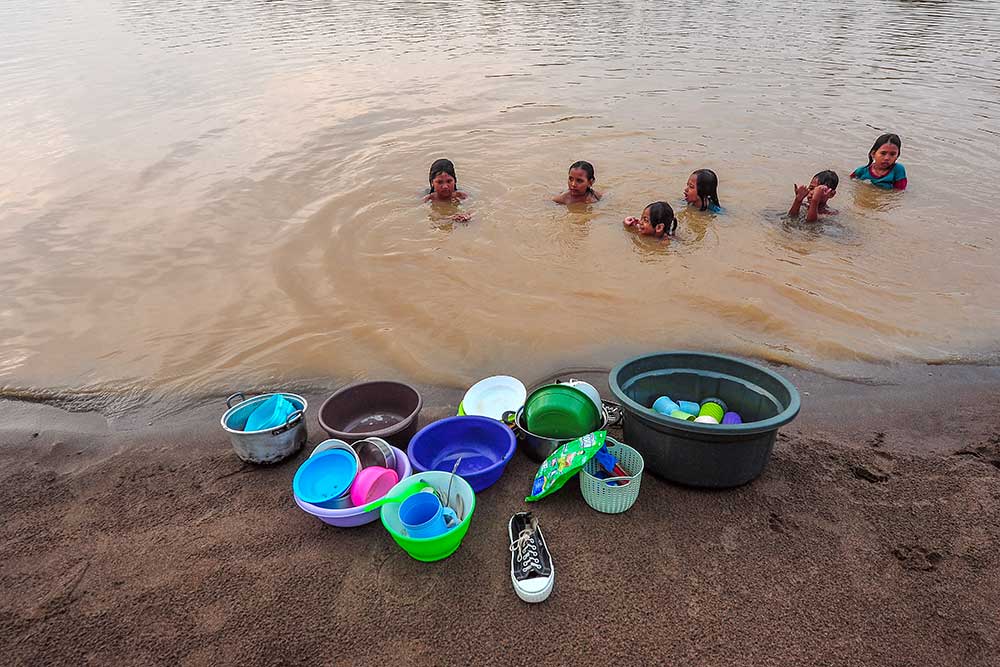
(680, 414)
(713, 410)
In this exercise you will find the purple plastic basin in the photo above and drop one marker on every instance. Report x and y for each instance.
(485, 446)
(349, 517)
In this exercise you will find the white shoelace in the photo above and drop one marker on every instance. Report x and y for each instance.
(526, 549)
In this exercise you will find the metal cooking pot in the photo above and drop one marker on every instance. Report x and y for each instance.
(538, 447)
(269, 445)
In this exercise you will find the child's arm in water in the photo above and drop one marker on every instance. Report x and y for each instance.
(561, 199)
(817, 203)
(801, 192)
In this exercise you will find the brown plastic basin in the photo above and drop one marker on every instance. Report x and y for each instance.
(381, 409)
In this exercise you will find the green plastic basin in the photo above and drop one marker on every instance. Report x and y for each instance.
(431, 548)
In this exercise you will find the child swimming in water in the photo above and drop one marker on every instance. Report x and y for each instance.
(820, 190)
(657, 220)
(702, 190)
(581, 185)
(882, 169)
(444, 188)
(444, 183)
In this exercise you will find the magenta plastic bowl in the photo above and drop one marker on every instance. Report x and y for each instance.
(349, 517)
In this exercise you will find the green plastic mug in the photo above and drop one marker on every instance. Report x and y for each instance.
(713, 410)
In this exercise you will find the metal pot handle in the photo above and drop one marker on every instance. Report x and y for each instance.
(289, 421)
(614, 411)
(510, 419)
(229, 401)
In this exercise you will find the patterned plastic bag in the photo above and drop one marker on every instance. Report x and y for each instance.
(564, 463)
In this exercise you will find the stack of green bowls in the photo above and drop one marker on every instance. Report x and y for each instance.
(560, 411)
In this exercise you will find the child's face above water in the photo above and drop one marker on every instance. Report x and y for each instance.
(691, 190)
(645, 227)
(885, 156)
(578, 182)
(444, 185)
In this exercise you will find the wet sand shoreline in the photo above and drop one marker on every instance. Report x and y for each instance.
(869, 540)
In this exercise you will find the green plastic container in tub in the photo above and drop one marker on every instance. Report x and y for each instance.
(613, 498)
(433, 548)
(697, 454)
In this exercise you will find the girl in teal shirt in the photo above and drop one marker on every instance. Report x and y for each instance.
(882, 169)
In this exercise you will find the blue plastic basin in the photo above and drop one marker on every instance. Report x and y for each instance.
(485, 446)
(322, 478)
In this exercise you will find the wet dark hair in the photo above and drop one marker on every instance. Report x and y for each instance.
(660, 213)
(587, 167)
(441, 166)
(707, 185)
(887, 138)
(828, 178)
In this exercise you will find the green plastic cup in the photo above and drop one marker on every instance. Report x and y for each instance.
(439, 547)
(560, 411)
(713, 410)
(715, 399)
(680, 414)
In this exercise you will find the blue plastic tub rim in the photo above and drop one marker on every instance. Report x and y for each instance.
(508, 455)
(772, 423)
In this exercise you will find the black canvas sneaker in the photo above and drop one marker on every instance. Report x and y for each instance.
(531, 568)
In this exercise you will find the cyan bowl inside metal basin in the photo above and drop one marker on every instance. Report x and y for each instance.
(695, 454)
(484, 445)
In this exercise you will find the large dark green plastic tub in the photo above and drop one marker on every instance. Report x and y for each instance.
(704, 455)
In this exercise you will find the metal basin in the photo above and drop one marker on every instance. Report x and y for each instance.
(538, 447)
(269, 445)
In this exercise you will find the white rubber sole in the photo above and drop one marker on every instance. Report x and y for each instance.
(531, 590)
(530, 593)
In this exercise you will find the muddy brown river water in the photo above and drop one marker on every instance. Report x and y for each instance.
(201, 196)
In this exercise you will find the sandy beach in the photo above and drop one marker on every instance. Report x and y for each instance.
(871, 539)
(204, 197)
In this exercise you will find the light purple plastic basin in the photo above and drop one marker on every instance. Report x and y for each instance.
(350, 517)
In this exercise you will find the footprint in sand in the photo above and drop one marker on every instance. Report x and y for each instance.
(869, 473)
(916, 558)
(877, 440)
(781, 525)
(987, 452)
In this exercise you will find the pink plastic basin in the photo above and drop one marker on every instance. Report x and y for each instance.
(371, 484)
